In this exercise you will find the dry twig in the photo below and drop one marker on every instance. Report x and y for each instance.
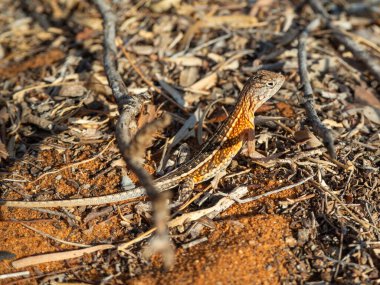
(133, 153)
(308, 100)
(15, 274)
(364, 7)
(57, 256)
(54, 238)
(129, 107)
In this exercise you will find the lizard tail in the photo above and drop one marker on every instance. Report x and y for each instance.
(100, 200)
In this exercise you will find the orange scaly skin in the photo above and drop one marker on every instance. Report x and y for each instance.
(214, 157)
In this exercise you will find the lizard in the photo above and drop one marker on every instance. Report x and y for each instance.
(213, 158)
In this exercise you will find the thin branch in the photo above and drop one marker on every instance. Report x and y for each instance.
(115, 81)
(28, 221)
(129, 106)
(308, 100)
(54, 238)
(132, 155)
(15, 275)
(20, 94)
(364, 8)
(243, 201)
(126, 127)
(135, 150)
(69, 217)
(222, 205)
(57, 256)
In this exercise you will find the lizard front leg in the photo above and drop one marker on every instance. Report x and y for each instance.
(248, 136)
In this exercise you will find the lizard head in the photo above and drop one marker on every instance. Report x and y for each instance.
(260, 87)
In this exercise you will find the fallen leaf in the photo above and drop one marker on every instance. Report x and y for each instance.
(191, 98)
(259, 5)
(263, 138)
(72, 91)
(236, 21)
(306, 136)
(332, 123)
(4, 115)
(233, 65)
(328, 95)
(205, 83)
(164, 5)
(365, 96)
(143, 49)
(85, 34)
(98, 84)
(94, 23)
(88, 123)
(264, 108)
(377, 252)
(177, 95)
(216, 57)
(188, 76)
(186, 61)
(372, 114)
(285, 109)
(45, 58)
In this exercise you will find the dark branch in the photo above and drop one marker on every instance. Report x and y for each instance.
(129, 145)
(129, 106)
(364, 8)
(308, 100)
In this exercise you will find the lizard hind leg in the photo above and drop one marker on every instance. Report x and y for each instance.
(214, 185)
(217, 177)
(185, 189)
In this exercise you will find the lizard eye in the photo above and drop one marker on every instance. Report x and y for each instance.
(270, 84)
